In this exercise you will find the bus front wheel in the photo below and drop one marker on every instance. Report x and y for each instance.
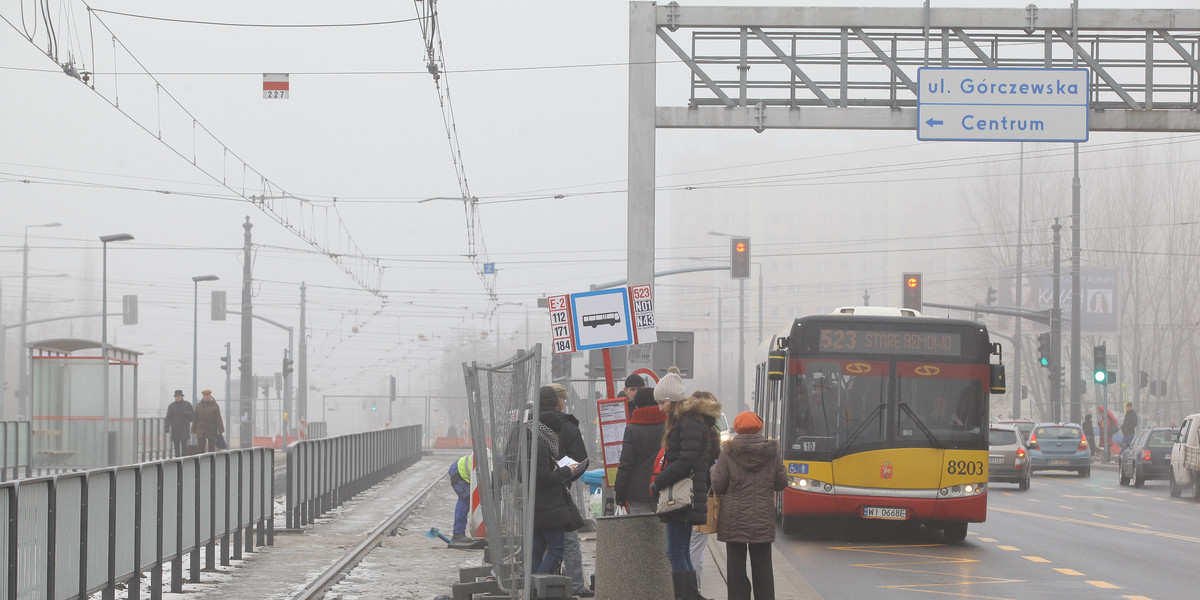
(955, 532)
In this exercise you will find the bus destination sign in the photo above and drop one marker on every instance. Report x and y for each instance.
(923, 343)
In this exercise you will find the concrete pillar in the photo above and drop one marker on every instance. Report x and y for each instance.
(631, 558)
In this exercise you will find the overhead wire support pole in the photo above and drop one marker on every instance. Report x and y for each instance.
(1076, 304)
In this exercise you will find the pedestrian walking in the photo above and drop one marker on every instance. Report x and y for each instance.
(639, 448)
(208, 424)
(1089, 433)
(685, 441)
(571, 445)
(747, 475)
(179, 422)
(1129, 425)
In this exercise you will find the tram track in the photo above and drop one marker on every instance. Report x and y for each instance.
(318, 586)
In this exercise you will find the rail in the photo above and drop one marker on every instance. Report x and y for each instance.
(324, 473)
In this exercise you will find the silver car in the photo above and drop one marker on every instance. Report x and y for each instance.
(1008, 459)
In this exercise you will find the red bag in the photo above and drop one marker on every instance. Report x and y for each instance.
(659, 462)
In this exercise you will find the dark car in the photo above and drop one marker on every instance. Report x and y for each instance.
(1008, 461)
(1059, 446)
(1025, 426)
(1148, 456)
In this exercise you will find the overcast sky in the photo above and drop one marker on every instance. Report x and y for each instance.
(539, 94)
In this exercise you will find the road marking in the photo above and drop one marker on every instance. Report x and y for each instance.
(1140, 525)
(923, 566)
(1068, 571)
(1036, 559)
(1009, 548)
(1100, 516)
(989, 540)
(1136, 597)
(1172, 536)
(1094, 498)
(1104, 585)
(1065, 507)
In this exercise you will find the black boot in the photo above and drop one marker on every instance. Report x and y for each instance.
(685, 585)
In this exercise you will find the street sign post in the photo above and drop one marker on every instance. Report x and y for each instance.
(1002, 105)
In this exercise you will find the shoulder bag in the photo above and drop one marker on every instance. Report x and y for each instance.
(676, 497)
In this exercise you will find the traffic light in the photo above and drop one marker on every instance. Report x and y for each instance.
(1143, 379)
(991, 296)
(287, 365)
(1044, 349)
(224, 363)
(1099, 370)
(739, 258)
(910, 291)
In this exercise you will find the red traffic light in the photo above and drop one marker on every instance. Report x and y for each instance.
(740, 247)
(912, 282)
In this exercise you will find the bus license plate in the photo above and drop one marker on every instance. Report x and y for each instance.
(875, 512)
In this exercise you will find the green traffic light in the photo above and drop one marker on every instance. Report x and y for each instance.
(1101, 376)
(1045, 361)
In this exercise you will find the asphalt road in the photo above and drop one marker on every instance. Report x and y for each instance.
(1066, 538)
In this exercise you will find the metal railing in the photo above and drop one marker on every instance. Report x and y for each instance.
(68, 536)
(324, 473)
(14, 450)
(152, 441)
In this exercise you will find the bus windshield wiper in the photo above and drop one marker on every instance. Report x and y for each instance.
(929, 434)
(858, 430)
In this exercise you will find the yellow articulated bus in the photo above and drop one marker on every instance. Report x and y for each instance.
(881, 416)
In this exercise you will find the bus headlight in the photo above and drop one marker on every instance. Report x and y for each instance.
(810, 485)
(958, 491)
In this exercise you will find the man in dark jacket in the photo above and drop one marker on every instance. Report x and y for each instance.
(639, 448)
(1129, 425)
(570, 444)
(179, 422)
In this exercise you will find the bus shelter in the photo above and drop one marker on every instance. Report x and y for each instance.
(72, 426)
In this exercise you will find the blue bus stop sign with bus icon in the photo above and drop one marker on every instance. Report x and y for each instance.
(602, 319)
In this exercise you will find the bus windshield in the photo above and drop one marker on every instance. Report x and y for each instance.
(839, 407)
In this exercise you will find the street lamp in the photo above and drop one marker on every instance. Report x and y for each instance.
(105, 239)
(21, 377)
(195, 324)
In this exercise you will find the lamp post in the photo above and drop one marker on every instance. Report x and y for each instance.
(195, 324)
(105, 239)
(22, 380)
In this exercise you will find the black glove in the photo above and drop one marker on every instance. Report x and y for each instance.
(653, 490)
(621, 500)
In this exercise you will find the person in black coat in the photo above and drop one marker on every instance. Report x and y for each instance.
(179, 423)
(552, 515)
(639, 448)
(685, 454)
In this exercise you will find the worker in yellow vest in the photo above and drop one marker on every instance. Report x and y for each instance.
(460, 480)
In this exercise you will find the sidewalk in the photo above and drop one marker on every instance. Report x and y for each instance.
(789, 583)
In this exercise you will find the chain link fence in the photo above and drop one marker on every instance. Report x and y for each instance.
(501, 399)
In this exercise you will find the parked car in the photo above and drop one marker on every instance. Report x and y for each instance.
(1148, 456)
(1059, 447)
(1008, 459)
(1025, 426)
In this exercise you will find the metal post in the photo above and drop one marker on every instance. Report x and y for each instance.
(643, 68)
(1056, 332)
(741, 362)
(104, 240)
(228, 377)
(1018, 291)
(195, 326)
(1076, 305)
(247, 388)
(23, 372)
(720, 355)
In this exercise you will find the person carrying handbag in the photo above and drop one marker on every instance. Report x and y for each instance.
(686, 454)
(747, 475)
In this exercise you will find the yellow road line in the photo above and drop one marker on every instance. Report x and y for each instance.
(1065, 507)
(1104, 585)
(1068, 571)
(989, 540)
(1100, 516)
(1140, 525)
(1036, 559)
(1173, 536)
(1009, 548)
(1136, 597)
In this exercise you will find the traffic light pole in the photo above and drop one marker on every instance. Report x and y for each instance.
(1056, 368)
(228, 379)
